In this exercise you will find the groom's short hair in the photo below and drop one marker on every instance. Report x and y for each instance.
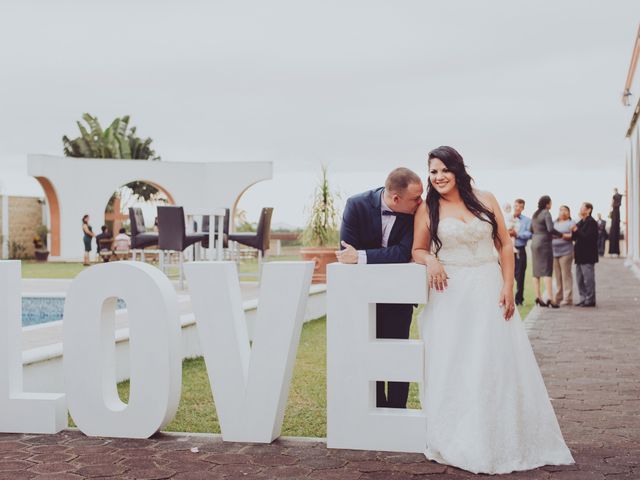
(399, 179)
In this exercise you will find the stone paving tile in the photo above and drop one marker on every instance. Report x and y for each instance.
(235, 470)
(589, 358)
(204, 475)
(151, 473)
(60, 476)
(9, 475)
(51, 457)
(15, 465)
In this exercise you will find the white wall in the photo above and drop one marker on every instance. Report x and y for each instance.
(633, 192)
(84, 186)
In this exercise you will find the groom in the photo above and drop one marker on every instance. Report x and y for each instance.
(377, 227)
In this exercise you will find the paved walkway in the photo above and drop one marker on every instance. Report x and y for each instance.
(590, 360)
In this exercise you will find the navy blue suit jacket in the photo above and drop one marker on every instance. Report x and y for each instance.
(362, 229)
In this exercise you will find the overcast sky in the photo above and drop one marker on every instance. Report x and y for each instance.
(527, 91)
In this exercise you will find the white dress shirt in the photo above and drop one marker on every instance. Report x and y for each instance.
(387, 225)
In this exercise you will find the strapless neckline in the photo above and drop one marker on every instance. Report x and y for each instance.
(459, 220)
(465, 244)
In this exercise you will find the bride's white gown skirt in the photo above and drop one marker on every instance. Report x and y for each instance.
(486, 404)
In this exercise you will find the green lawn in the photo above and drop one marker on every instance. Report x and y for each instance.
(33, 269)
(306, 408)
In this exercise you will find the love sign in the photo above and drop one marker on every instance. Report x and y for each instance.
(249, 380)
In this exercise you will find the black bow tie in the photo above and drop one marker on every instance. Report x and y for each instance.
(389, 212)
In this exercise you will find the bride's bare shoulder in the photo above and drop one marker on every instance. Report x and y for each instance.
(422, 213)
(487, 198)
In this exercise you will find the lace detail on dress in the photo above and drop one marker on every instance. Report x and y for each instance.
(466, 244)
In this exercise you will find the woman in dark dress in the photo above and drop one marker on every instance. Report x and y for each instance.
(542, 251)
(614, 230)
(87, 237)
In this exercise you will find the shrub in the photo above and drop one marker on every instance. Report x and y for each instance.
(17, 250)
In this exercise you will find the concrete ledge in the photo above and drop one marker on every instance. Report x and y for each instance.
(218, 436)
(43, 365)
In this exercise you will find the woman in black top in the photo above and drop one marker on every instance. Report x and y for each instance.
(88, 236)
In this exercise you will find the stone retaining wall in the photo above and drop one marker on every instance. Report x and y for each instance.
(25, 215)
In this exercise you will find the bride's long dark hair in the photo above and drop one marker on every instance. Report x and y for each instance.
(455, 163)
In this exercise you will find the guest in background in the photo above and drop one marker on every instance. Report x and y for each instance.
(542, 251)
(511, 222)
(103, 243)
(585, 235)
(602, 234)
(614, 230)
(521, 234)
(563, 258)
(87, 238)
(121, 244)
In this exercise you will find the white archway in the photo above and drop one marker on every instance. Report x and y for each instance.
(78, 186)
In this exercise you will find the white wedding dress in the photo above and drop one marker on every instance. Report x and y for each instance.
(486, 404)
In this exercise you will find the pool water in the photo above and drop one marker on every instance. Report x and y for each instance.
(38, 310)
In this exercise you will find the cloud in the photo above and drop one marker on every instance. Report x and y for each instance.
(362, 85)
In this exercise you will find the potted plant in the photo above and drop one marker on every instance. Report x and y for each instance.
(321, 236)
(40, 243)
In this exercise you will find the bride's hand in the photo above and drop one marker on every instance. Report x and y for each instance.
(436, 274)
(507, 302)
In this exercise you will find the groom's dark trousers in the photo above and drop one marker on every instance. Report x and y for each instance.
(362, 229)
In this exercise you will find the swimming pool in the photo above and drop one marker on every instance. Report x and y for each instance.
(39, 309)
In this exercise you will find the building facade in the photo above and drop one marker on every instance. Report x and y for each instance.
(632, 147)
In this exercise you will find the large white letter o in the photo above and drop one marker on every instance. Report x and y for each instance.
(89, 350)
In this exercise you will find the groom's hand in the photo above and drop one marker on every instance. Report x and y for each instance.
(348, 255)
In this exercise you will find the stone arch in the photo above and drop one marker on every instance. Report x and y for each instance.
(117, 218)
(232, 213)
(54, 214)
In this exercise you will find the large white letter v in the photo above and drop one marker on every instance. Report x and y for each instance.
(250, 382)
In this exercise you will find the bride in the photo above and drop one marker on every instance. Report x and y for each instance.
(486, 404)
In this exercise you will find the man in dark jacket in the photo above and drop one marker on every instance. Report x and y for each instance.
(585, 235)
(377, 227)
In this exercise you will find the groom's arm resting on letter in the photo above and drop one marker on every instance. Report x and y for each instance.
(354, 229)
(400, 253)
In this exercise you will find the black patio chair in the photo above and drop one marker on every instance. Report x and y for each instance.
(140, 238)
(259, 239)
(173, 236)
